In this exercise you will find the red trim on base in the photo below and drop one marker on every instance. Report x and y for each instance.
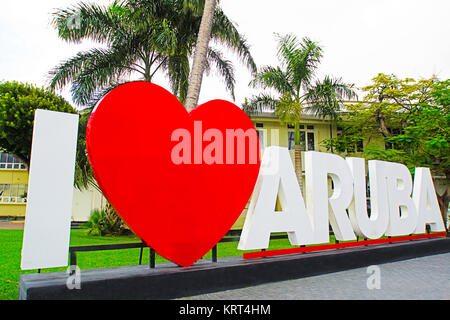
(271, 253)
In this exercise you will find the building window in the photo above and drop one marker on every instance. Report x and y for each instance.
(13, 193)
(260, 138)
(311, 145)
(8, 161)
(307, 139)
(291, 140)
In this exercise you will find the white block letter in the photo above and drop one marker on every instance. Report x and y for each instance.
(373, 226)
(318, 166)
(402, 210)
(277, 177)
(50, 190)
(424, 196)
(394, 184)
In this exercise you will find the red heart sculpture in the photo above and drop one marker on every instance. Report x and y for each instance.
(180, 210)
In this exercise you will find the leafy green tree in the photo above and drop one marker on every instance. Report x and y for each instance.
(391, 101)
(296, 88)
(387, 107)
(139, 38)
(425, 140)
(412, 117)
(18, 103)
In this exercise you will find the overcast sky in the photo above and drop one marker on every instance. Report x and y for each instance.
(360, 38)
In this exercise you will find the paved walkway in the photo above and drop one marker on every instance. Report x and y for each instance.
(11, 225)
(419, 278)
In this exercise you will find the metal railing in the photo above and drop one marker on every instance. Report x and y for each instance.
(231, 236)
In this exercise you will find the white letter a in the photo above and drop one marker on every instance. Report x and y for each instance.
(277, 178)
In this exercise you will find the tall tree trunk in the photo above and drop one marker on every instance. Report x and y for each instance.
(381, 119)
(298, 157)
(298, 166)
(201, 49)
(443, 200)
(331, 136)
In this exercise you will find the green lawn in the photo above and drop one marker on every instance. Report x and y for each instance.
(11, 246)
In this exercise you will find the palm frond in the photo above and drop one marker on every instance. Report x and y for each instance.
(288, 49)
(225, 32)
(67, 70)
(87, 21)
(224, 68)
(261, 104)
(272, 78)
(194, 6)
(289, 109)
(178, 71)
(98, 94)
(107, 66)
(304, 67)
(326, 97)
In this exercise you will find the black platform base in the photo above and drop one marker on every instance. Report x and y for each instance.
(168, 281)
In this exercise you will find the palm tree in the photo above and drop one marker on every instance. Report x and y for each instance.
(139, 38)
(326, 99)
(295, 88)
(195, 81)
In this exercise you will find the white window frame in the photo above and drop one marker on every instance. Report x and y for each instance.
(306, 131)
(12, 162)
(9, 193)
(262, 132)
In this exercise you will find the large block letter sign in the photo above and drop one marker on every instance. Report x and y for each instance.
(424, 196)
(165, 170)
(393, 211)
(319, 166)
(277, 180)
(50, 190)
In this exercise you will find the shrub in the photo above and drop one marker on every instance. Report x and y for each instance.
(106, 221)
